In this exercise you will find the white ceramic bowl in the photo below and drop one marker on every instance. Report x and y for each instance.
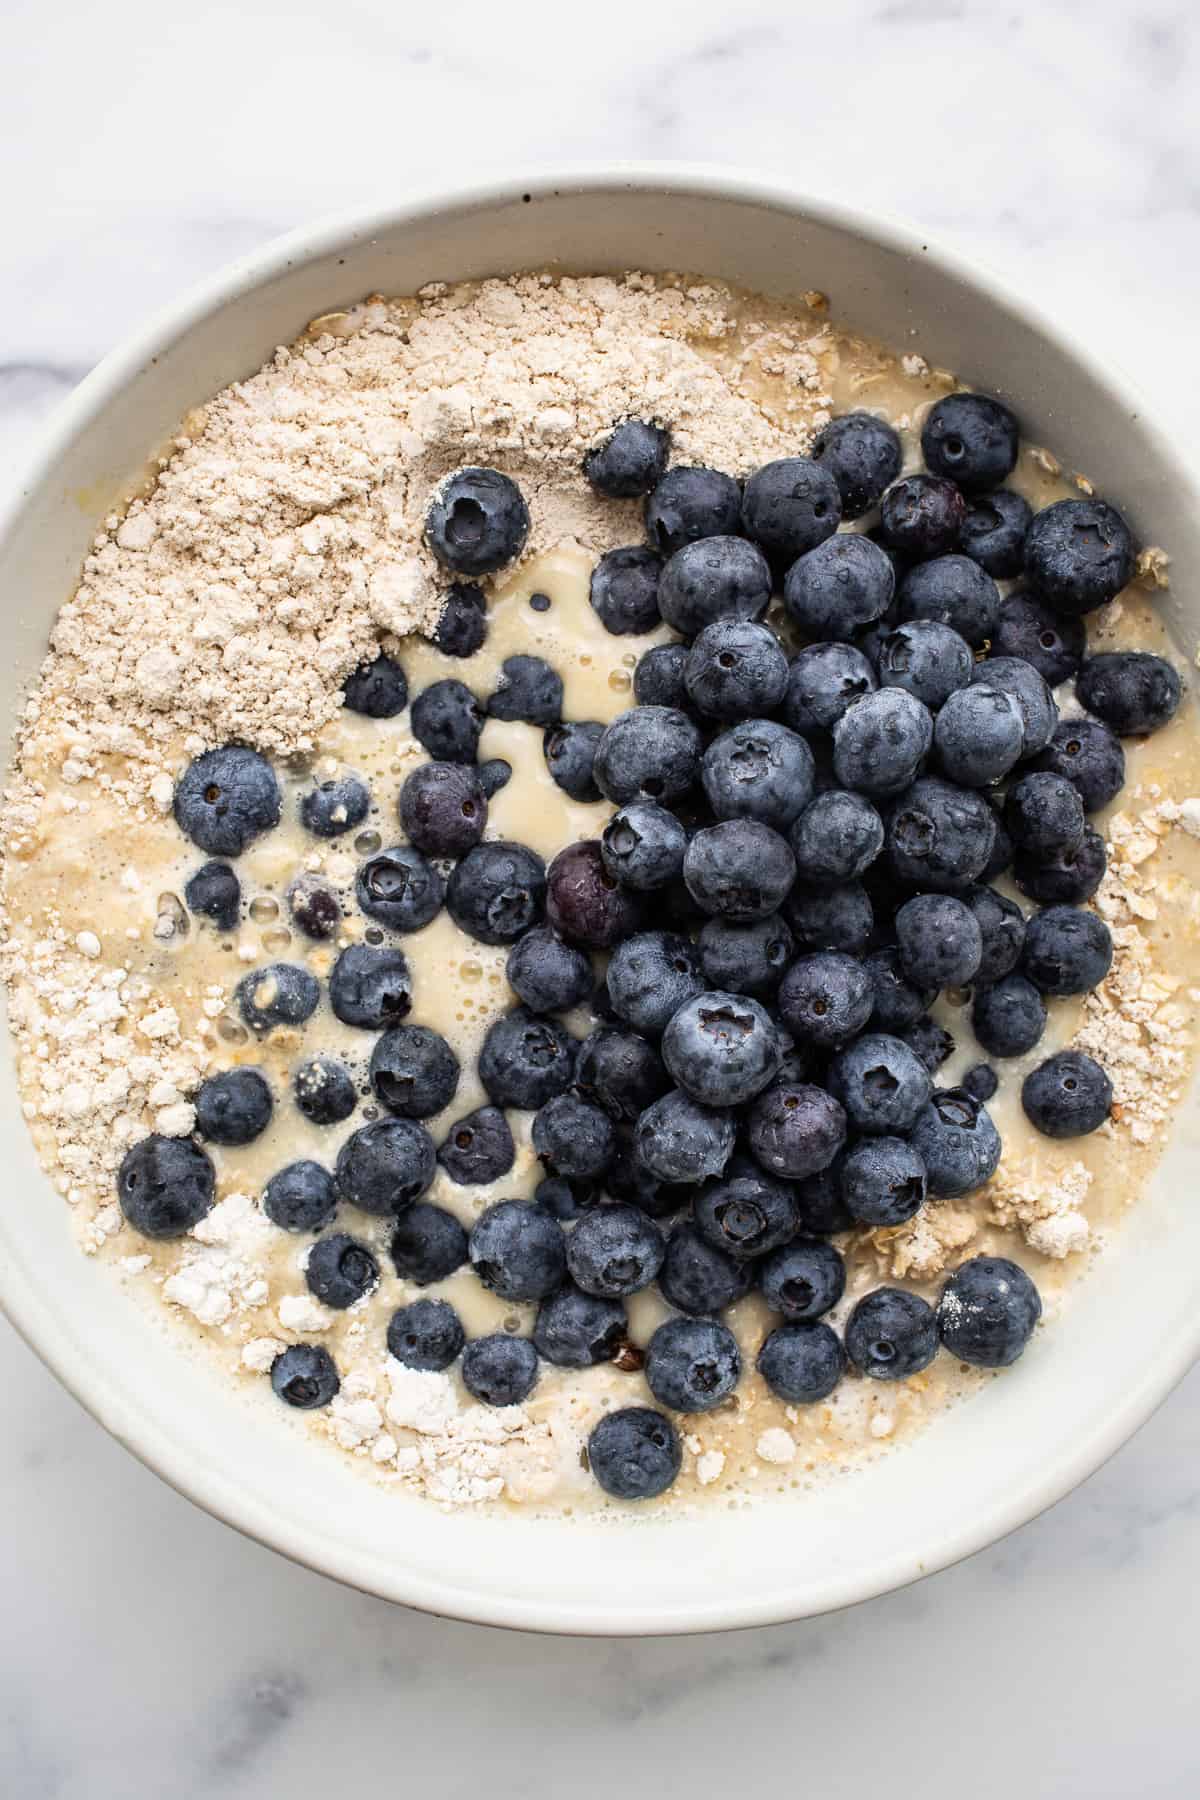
(1133, 1327)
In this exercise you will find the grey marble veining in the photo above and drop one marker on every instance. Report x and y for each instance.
(148, 1650)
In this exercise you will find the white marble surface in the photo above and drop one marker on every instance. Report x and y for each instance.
(147, 1650)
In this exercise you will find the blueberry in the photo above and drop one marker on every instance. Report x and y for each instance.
(497, 892)
(314, 907)
(300, 1197)
(679, 1140)
(1044, 814)
(1037, 704)
(881, 741)
(305, 1376)
(447, 720)
(744, 1212)
(658, 679)
(1063, 877)
(427, 1245)
(739, 870)
(692, 1364)
(736, 670)
(325, 1091)
(634, 1453)
(1029, 629)
(1078, 555)
(500, 1370)
(804, 1279)
(377, 690)
(576, 1330)
(477, 521)
(643, 845)
(650, 976)
(215, 892)
(836, 838)
(370, 987)
(837, 918)
(745, 959)
(443, 811)
(940, 941)
(836, 590)
(821, 1208)
(1002, 927)
(340, 1270)
(826, 998)
(414, 1072)
(478, 1148)
(525, 1060)
(993, 533)
(1132, 692)
(926, 658)
(225, 799)
(796, 1129)
(546, 974)
(614, 1251)
(624, 590)
(574, 1137)
(400, 889)
(697, 1279)
(1001, 855)
(330, 808)
(897, 1003)
(648, 753)
(621, 1072)
(987, 1312)
(721, 1049)
(922, 516)
(463, 625)
(791, 506)
(891, 1334)
(383, 1167)
(427, 1334)
(1067, 1095)
(881, 1084)
(570, 753)
(584, 903)
(1090, 755)
(930, 1041)
(688, 504)
(823, 681)
(528, 690)
(958, 1143)
(517, 1249)
(233, 1107)
(954, 591)
(494, 775)
(629, 1179)
(939, 836)
(972, 440)
(883, 1181)
(165, 1186)
(863, 455)
(758, 770)
(280, 994)
(630, 461)
(802, 1363)
(981, 1082)
(979, 735)
(1067, 950)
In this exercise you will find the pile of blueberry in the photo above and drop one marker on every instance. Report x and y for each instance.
(800, 859)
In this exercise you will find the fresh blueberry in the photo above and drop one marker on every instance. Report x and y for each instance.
(584, 903)
(383, 1167)
(1079, 554)
(881, 1084)
(1002, 927)
(881, 741)
(821, 1208)
(634, 1453)
(692, 1364)
(922, 516)
(233, 1107)
(305, 1376)
(838, 589)
(891, 1334)
(650, 976)
(614, 1251)
(739, 870)
(883, 1181)
(370, 987)
(314, 907)
(324, 1090)
(574, 1137)
(758, 770)
(826, 998)
(791, 506)
(736, 670)
(722, 1049)
(414, 1072)
(836, 918)
(165, 1186)
(648, 753)
(720, 578)
(497, 892)
(1066, 878)
(500, 1370)
(1029, 629)
(972, 440)
(215, 892)
(863, 455)
(624, 590)
(517, 1249)
(1043, 814)
(494, 775)
(1001, 855)
(979, 734)
(427, 1334)
(478, 1148)
(744, 1212)
(300, 1197)
(688, 504)
(746, 959)
(329, 808)
(463, 625)
(447, 720)
(897, 1003)
(340, 1270)
(930, 1041)
(630, 461)
(225, 799)
(802, 1362)
(570, 753)
(958, 1143)
(940, 941)
(400, 889)
(643, 845)
(796, 1129)
(546, 974)
(1020, 679)
(477, 522)
(679, 1140)
(525, 1060)
(1090, 755)
(698, 1279)
(1132, 692)
(576, 1330)
(443, 811)
(621, 1072)
(1067, 1095)
(926, 658)
(987, 1312)
(939, 836)
(981, 1082)
(823, 681)
(993, 533)
(1067, 950)
(528, 690)
(280, 994)
(836, 838)
(629, 1179)
(658, 679)
(427, 1245)
(804, 1279)
(377, 690)
(954, 591)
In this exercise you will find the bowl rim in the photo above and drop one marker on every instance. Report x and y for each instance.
(37, 1322)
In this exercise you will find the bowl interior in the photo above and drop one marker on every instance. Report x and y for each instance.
(982, 1468)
